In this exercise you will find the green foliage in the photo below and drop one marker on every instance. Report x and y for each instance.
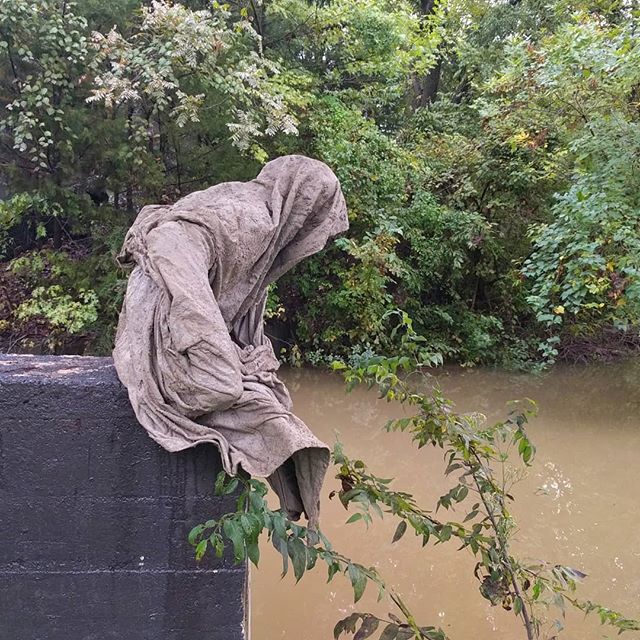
(126, 116)
(181, 62)
(300, 548)
(24, 209)
(583, 271)
(478, 457)
(45, 48)
(500, 213)
(60, 309)
(67, 299)
(363, 51)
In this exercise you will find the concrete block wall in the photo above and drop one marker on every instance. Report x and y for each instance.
(94, 516)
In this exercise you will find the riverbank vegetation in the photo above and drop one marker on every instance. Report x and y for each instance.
(489, 153)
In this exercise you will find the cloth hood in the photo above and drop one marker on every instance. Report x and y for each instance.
(263, 227)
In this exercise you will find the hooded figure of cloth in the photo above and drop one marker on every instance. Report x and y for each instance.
(190, 346)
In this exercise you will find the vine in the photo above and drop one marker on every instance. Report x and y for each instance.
(477, 455)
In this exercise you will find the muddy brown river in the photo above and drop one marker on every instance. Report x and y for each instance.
(579, 504)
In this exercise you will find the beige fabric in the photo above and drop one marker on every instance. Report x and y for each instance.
(190, 346)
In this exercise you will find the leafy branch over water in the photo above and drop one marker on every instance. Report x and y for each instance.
(301, 549)
(476, 454)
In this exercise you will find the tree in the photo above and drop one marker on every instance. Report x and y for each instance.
(460, 206)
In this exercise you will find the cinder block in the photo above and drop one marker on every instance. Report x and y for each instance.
(94, 516)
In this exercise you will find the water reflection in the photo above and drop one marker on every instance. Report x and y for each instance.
(579, 504)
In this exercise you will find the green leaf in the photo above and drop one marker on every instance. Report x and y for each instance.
(471, 515)
(253, 551)
(219, 485)
(298, 554)
(312, 557)
(445, 533)
(333, 568)
(347, 624)
(256, 502)
(367, 629)
(354, 518)
(537, 589)
(194, 533)
(358, 581)
(400, 531)
(390, 632)
(251, 525)
(284, 552)
(201, 549)
(279, 526)
(517, 605)
(527, 451)
(452, 467)
(233, 531)
(231, 487)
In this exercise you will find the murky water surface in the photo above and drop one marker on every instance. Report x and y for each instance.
(579, 505)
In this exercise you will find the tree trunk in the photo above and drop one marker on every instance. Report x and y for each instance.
(426, 87)
(430, 85)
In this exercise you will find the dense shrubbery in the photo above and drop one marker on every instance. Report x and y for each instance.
(488, 153)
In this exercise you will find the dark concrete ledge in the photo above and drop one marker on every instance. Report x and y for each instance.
(94, 516)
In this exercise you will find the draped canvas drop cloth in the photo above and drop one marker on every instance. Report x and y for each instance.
(190, 346)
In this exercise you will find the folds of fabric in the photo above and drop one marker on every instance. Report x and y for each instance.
(190, 346)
